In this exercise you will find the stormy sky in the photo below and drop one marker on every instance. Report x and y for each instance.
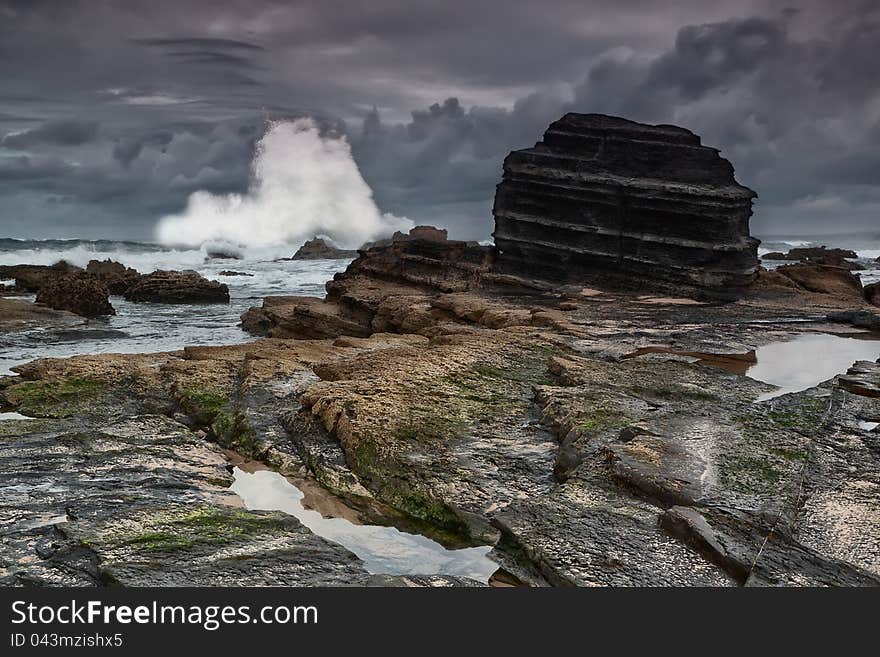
(113, 112)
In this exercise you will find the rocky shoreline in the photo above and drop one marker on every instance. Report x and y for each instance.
(590, 433)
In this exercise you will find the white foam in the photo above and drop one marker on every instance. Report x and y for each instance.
(80, 254)
(302, 184)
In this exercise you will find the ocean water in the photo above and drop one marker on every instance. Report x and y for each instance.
(146, 327)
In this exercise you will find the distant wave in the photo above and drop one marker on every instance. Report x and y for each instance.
(145, 257)
(302, 184)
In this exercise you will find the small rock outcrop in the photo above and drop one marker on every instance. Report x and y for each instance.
(79, 294)
(821, 279)
(819, 255)
(177, 287)
(318, 249)
(609, 200)
(30, 278)
(218, 253)
(116, 276)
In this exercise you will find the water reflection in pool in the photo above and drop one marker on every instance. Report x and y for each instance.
(13, 416)
(791, 365)
(808, 360)
(384, 550)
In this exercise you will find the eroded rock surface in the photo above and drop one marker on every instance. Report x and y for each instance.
(177, 287)
(102, 486)
(78, 294)
(526, 422)
(114, 275)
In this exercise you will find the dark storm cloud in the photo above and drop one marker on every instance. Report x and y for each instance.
(220, 44)
(111, 113)
(59, 133)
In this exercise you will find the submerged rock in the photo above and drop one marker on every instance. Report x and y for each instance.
(610, 200)
(318, 249)
(19, 315)
(78, 294)
(177, 287)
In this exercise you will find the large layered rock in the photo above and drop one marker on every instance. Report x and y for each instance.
(177, 287)
(79, 294)
(609, 200)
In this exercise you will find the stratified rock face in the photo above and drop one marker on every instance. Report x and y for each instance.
(607, 199)
(177, 287)
(78, 294)
(318, 249)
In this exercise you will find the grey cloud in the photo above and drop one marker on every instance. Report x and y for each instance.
(708, 56)
(221, 44)
(61, 133)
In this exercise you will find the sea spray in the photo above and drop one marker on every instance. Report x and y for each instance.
(302, 184)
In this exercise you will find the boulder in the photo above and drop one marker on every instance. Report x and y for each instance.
(30, 278)
(872, 293)
(823, 279)
(114, 275)
(79, 294)
(610, 200)
(318, 249)
(177, 287)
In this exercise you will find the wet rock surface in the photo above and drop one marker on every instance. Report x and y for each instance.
(103, 487)
(521, 421)
(19, 315)
(114, 275)
(78, 294)
(177, 287)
